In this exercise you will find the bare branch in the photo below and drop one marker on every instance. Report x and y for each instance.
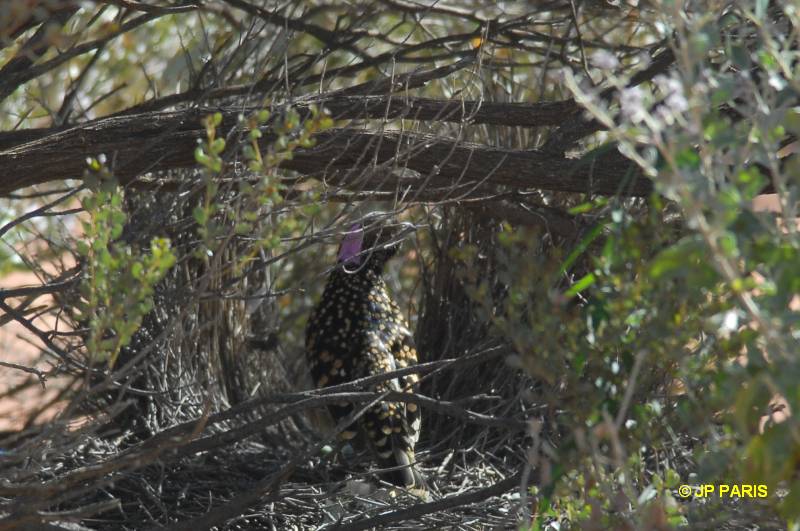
(162, 141)
(422, 509)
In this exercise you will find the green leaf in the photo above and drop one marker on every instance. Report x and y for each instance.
(684, 257)
(588, 206)
(201, 157)
(200, 215)
(688, 158)
(580, 285)
(596, 231)
(218, 146)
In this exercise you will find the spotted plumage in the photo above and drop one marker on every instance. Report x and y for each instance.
(357, 330)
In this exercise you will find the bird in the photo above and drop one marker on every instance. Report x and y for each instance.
(357, 330)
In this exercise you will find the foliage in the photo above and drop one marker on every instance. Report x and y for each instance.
(632, 343)
(687, 313)
(117, 291)
(261, 192)
(732, 276)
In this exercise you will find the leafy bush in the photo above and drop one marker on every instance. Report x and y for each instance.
(677, 327)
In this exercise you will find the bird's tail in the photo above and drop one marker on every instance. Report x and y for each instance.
(401, 468)
(393, 438)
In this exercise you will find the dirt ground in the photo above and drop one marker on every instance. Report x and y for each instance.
(19, 346)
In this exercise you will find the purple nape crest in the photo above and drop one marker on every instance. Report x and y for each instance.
(352, 245)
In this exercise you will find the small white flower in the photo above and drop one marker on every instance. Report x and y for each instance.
(644, 60)
(605, 60)
(726, 323)
(665, 115)
(677, 102)
(667, 84)
(776, 82)
(730, 321)
(631, 101)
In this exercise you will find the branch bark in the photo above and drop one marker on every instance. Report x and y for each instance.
(138, 144)
(471, 112)
(421, 509)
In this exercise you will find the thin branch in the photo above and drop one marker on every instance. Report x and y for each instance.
(9, 83)
(31, 370)
(43, 337)
(421, 509)
(39, 212)
(52, 287)
(157, 10)
(40, 42)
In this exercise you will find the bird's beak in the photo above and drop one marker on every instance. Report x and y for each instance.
(402, 231)
(405, 229)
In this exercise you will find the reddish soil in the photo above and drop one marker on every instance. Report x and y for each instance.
(21, 347)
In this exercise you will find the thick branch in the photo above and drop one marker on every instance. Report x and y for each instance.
(161, 141)
(472, 112)
(421, 509)
(580, 126)
(454, 165)
(391, 107)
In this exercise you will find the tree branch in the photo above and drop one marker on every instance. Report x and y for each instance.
(162, 141)
(10, 82)
(471, 112)
(421, 509)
